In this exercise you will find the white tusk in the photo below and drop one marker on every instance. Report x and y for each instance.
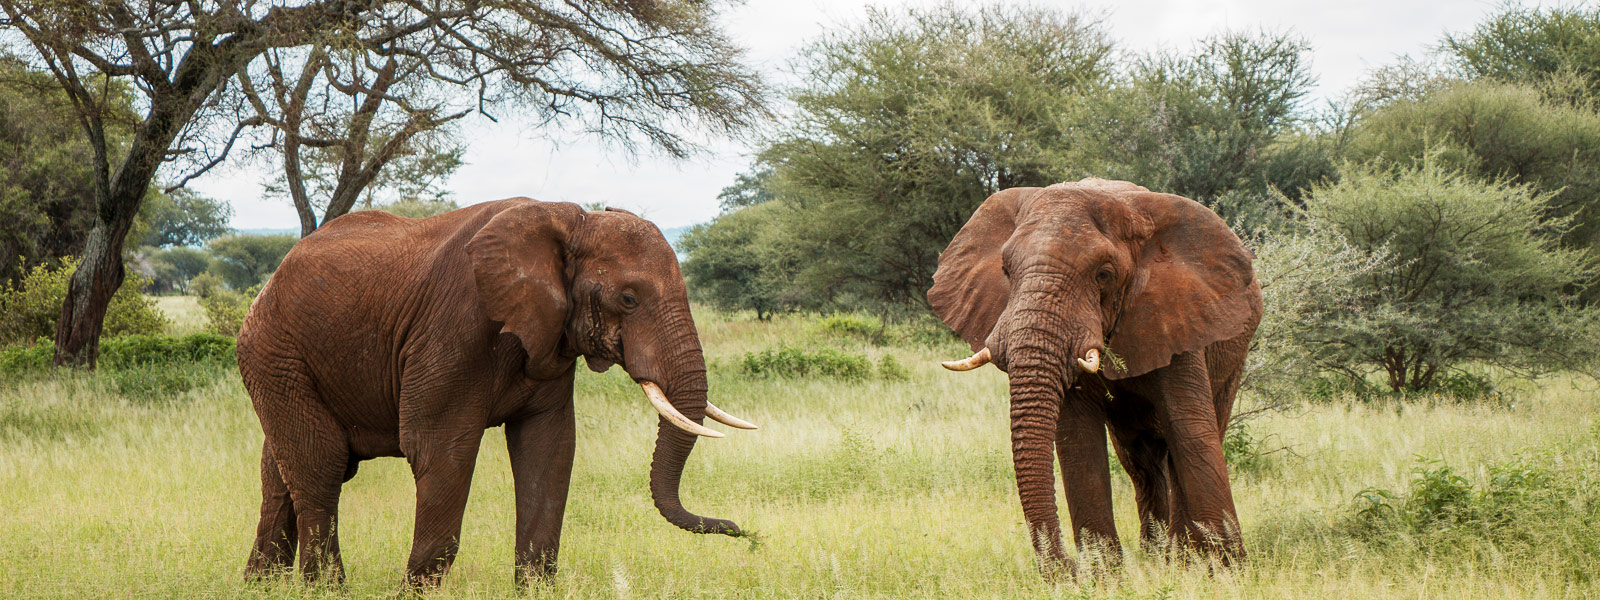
(727, 419)
(1090, 361)
(659, 400)
(967, 364)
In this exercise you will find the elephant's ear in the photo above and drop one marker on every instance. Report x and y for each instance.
(970, 289)
(519, 264)
(1193, 285)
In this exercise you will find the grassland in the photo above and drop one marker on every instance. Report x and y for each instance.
(872, 488)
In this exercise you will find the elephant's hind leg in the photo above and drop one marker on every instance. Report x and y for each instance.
(312, 456)
(1144, 456)
(276, 533)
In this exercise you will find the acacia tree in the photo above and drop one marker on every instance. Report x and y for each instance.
(342, 117)
(629, 71)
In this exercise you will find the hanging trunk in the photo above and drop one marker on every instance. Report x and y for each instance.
(687, 392)
(1036, 390)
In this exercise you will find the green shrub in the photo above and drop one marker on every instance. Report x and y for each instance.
(787, 361)
(152, 384)
(1244, 451)
(21, 359)
(155, 350)
(854, 325)
(206, 284)
(139, 365)
(794, 362)
(226, 309)
(29, 310)
(890, 369)
(1527, 505)
(1476, 276)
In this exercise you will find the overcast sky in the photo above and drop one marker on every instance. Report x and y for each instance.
(1347, 38)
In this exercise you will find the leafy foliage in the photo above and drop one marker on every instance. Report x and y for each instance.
(1519, 504)
(1495, 131)
(46, 182)
(226, 309)
(1477, 275)
(787, 361)
(743, 261)
(1532, 45)
(29, 309)
(1221, 126)
(905, 124)
(183, 218)
(246, 260)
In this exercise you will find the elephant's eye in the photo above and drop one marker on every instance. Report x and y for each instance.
(629, 301)
(1104, 275)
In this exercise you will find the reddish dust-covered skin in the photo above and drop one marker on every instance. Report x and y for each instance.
(1110, 307)
(386, 336)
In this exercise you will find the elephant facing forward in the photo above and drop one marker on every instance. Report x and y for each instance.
(386, 336)
(1109, 307)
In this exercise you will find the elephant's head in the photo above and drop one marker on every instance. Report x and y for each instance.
(604, 285)
(1095, 277)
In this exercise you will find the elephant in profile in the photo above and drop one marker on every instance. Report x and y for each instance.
(1109, 307)
(386, 336)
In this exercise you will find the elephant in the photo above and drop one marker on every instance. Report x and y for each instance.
(1109, 307)
(380, 335)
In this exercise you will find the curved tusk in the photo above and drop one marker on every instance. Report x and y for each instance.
(979, 359)
(659, 401)
(727, 419)
(1090, 361)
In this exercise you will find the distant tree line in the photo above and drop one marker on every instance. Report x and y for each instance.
(1446, 211)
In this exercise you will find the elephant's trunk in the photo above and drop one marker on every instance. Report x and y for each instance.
(1036, 391)
(687, 393)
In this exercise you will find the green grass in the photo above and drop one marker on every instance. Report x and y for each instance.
(871, 488)
(185, 312)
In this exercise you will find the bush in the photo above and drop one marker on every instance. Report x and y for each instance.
(1477, 276)
(143, 368)
(29, 310)
(827, 362)
(226, 309)
(133, 351)
(1522, 502)
(854, 325)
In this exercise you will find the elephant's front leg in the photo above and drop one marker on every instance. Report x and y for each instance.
(1203, 514)
(1085, 470)
(442, 464)
(541, 468)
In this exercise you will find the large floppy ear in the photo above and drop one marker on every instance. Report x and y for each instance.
(1193, 285)
(970, 289)
(519, 264)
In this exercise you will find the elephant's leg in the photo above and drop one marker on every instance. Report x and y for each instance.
(313, 467)
(1144, 456)
(541, 467)
(1081, 447)
(442, 465)
(1203, 511)
(275, 534)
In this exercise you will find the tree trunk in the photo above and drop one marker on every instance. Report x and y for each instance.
(88, 295)
(100, 273)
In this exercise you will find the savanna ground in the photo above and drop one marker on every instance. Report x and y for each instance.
(879, 487)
